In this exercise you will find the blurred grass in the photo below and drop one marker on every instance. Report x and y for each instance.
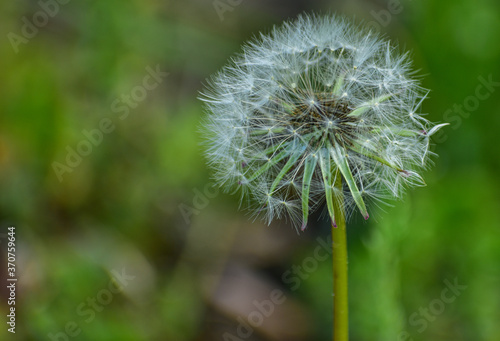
(120, 206)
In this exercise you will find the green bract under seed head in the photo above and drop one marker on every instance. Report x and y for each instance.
(315, 102)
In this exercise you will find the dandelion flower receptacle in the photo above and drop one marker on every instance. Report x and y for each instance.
(317, 111)
(316, 99)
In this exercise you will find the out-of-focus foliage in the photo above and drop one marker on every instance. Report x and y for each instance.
(130, 242)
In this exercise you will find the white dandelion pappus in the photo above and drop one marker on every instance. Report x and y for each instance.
(314, 102)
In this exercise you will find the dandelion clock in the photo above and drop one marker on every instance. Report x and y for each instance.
(317, 113)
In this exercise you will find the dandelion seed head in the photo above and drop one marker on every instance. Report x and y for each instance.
(317, 100)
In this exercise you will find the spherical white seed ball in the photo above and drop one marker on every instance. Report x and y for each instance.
(316, 103)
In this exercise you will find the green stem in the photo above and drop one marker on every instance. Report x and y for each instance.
(339, 256)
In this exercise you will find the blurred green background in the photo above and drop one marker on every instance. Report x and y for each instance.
(120, 235)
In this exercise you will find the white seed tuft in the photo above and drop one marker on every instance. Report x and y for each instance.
(316, 99)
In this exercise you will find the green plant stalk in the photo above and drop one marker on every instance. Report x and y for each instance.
(339, 257)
